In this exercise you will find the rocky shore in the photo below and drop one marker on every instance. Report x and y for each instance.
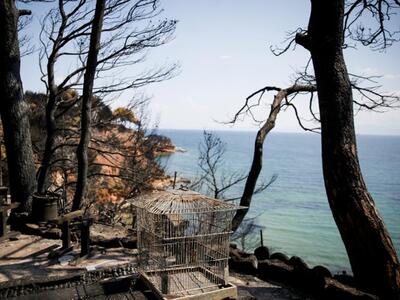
(293, 272)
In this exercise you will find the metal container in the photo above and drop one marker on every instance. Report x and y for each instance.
(45, 207)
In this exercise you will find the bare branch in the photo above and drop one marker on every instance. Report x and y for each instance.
(256, 165)
(129, 32)
(24, 12)
(377, 34)
(290, 42)
(246, 107)
(370, 97)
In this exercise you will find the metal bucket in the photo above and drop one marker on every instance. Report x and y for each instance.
(44, 207)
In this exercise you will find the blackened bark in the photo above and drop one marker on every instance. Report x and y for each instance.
(86, 114)
(51, 106)
(371, 253)
(251, 180)
(14, 110)
(262, 133)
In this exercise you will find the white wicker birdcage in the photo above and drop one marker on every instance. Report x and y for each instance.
(183, 241)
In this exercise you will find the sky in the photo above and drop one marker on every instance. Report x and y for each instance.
(222, 47)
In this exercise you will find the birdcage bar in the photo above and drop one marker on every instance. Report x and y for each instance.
(185, 281)
(183, 242)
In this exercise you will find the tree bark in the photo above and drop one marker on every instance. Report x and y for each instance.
(14, 110)
(262, 133)
(370, 249)
(87, 95)
(51, 106)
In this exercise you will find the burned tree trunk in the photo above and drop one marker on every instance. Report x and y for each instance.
(51, 106)
(255, 170)
(87, 94)
(372, 255)
(50, 130)
(262, 133)
(14, 110)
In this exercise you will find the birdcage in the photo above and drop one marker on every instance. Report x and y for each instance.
(183, 242)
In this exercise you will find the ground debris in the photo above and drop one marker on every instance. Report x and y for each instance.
(28, 258)
(251, 287)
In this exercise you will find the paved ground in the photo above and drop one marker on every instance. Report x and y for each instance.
(250, 287)
(27, 258)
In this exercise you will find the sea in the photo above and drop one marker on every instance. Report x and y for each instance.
(293, 213)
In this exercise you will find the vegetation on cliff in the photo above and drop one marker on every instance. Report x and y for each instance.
(123, 153)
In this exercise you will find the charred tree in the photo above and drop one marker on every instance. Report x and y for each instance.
(128, 32)
(87, 95)
(213, 179)
(53, 94)
(269, 124)
(370, 249)
(14, 110)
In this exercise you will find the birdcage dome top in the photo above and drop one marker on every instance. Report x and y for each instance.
(178, 201)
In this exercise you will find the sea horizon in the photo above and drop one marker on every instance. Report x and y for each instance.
(272, 132)
(294, 211)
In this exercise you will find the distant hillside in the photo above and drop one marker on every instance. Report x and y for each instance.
(122, 155)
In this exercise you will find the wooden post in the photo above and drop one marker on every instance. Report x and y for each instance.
(1, 164)
(3, 209)
(134, 216)
(164, 276)
(261, 238)
(3, 223)
(85, 237)
(164, 282)
(66, 235)
(173, 186)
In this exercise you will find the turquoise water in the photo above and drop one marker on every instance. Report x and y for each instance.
(294, 210)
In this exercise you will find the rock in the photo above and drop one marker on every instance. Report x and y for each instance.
(245, 265)
(345, 279)
(261, 253)
(298, 262)
(280, 256)
(313, 280)
(276, 270)
(234, 253)
(301, 274)
(233, 246)
(245, 254)
(321, 271)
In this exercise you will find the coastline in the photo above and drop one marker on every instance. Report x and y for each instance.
(294, 210)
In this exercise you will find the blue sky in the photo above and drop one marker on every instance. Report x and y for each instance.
(223, 50)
